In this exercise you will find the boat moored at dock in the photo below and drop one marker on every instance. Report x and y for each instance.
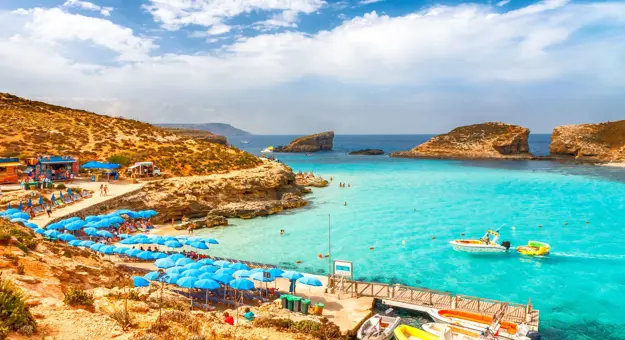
(378, 327)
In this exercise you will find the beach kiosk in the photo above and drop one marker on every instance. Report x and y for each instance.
(54, 167)
(144, 169)
(8, 170)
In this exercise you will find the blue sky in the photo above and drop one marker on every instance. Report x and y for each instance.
(300, 66)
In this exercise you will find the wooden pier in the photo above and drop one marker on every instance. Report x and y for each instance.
(428, 301)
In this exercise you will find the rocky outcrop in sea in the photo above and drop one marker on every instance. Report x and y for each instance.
(318, 142)
(261, 191)
(491, 140)
(368, 152)
(601, 143)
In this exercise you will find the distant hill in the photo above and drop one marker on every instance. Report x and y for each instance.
(199, 134)
(216, 128)
(31, 128)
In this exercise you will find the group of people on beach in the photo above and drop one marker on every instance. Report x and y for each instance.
(343, 185)
(305, 175)
(129, 227)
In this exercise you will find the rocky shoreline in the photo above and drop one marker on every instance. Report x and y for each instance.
(318, 142)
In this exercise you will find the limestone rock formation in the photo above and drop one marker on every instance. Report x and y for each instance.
(260, 191)
(368, 152)
(604, 142)
(199, 134)
(318, 142)
(478, 141)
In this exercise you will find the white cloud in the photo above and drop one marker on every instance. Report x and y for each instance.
(367, 2)
(174, 14)
(465, 46)
(105, 11)
(503, 3)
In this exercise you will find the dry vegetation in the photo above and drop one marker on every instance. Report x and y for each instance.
(31, 128)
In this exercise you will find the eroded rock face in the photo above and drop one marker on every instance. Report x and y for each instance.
(265, 190)
(478, 141)
(604, 142)
(318, 142)
(368, 152)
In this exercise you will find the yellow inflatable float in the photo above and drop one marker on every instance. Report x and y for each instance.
(534, 248)
(405, 332)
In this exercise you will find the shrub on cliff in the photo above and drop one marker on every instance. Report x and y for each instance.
(323, 330)
(119, 159)
(78, 297)
(14, 314)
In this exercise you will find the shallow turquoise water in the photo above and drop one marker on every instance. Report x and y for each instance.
(580, 288)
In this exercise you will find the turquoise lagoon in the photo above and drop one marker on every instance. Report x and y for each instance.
(579, 288)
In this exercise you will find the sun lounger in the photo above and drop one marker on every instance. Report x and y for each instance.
(85, 194)
(58, 203)
(76, 197)
(38, 210)
(67, 200)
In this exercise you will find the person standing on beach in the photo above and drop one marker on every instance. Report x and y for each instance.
(49, 209)
(101, 190)
(106, 189)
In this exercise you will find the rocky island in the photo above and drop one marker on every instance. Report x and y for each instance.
(368, 152)
(491, 140)
(601, 143)
(200, 135)
(318, 142)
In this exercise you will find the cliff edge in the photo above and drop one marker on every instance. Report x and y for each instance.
(318, 142)
(478, 141)
(603, 142)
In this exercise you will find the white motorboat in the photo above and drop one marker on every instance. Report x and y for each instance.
(245, 142)
(378, 327)
(483, 245)
(267, 149)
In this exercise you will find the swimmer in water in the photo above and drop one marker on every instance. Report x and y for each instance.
(345, 203)
(281, 231)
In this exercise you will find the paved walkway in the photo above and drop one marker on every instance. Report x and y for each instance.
(114, 189)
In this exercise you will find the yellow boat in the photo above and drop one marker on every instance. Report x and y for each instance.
(405, 332)
(534, 248)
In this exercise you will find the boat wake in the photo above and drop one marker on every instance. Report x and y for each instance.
(590, 256)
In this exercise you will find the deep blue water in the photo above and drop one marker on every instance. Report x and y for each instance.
(408, 210)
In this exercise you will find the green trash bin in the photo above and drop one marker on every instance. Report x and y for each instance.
(289, 300)
(285, 303)
(305, 306)
(297, 303)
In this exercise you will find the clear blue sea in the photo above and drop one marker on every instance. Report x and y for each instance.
(579, 288)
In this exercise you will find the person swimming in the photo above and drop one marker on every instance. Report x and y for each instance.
(281, 231)
(345, 203)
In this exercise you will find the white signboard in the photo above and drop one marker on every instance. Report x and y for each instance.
(343, 268)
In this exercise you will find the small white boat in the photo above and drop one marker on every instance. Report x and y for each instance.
(245, 142)
(452, 332)
(483, 245)
(378, 327)
(267, 149)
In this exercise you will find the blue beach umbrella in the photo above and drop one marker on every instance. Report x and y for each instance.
(30, 202)
(164, 263)
(91, 231)
(207, 284)
(221, 263)
(138, 281)
(198, 245)
(291, 275)
(191, 272)
(108, 250)
(172, 279)
(239, 266)
(52, 234)
(258, 270)
(193, 265)
(10, 210)
(208, 269)
(31, 225)
(173, 244)
(18, 220)
(159, 240)
(223, 278)
(206, 276)
(144, 255)
(242, 273)
(228, 271)
(61, 194)
(86, 243)
(132, 252)
(40, 231)
(66, 237)
(122, 212)
(74, 243)
(151, 276)
(184, 261)
(20, 207)
(96, 246)
(259, 276)
(158, 255)
(19, 215)
(310, 281)
(41, 200)
(175, 270)
(52, 198)
(104, 233)
(69, 191)
(211, 241)
(70, 220)
(123, 236)
(55, 226)
(176, 257)
(129, 241)
(205, 261)
(186, 282)
(92, 218)
(119, 250)
(242, 284)
(76, 225)
(275, 272)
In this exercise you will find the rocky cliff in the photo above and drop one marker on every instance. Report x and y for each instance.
(264, 190)
(478, 141)
(318, 142)
(604, 142)
(368, 152)
(200, 135)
